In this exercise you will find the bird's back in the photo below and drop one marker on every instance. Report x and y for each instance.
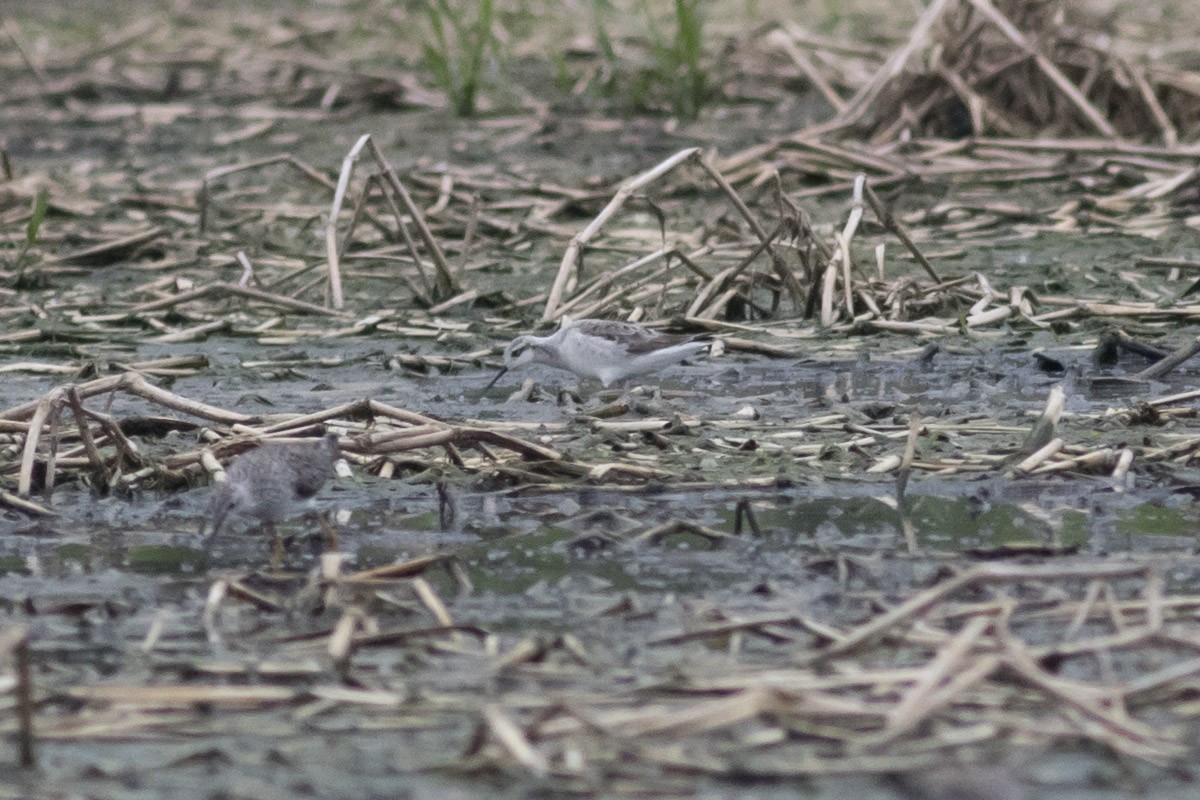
(275, 476)
(612, 351)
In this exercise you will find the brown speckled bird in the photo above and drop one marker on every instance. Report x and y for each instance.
(271, 482)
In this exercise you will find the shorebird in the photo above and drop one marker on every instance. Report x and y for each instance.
(602, 349)
(271, 482)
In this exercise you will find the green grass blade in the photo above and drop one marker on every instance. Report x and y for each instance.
(40, 204)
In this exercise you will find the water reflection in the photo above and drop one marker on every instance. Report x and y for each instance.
(529, 537)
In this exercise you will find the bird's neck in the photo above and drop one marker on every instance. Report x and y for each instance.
(545, 350)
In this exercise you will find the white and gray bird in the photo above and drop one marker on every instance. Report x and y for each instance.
(271, 482)
(603, 349)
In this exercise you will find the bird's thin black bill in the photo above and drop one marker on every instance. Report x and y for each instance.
(499, 375)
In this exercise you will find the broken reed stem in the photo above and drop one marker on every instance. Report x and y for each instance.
(1124, 462)
(137, 385)
(29, 454)
(468, 241)
(735, 199)
(355, 409)
(27, 506)
(1044, 430)
(430, 435)
(910, 451)
(332, 253)
(728, 276)
(341, 639)
(272, 298)
(857, 106)
(1183, 353)
(608, 278)
(14, 34)
(404, 569)
(828, 284)
(1076, 98)
(400, 414)
(85, 431)
(52, 456)
(1127, 342)
(430, 599)
(127, 452)
(248, 273)
(785, 275)
(444, 283)
(219, 288)
(299, 165)
(429, 289)
(981, 574)
(204, 195)
(574, 253)
(371, 183)
(841, 261)
(787, 44)
(510, 736)
(1102, 457)
(1102, 704)
(914, 707)
(1170, 135)
(1039, 456)
(847, 266)
(889, 221)
(629, 291)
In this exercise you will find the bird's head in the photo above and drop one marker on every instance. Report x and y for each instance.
(519, 352)
(228, 498)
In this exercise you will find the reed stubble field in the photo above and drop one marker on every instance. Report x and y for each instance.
(925, 527)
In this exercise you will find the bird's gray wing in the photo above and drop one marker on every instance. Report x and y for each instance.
(636, 339)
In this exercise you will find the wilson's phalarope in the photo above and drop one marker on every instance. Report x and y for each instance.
(269, 483)
(602, 349)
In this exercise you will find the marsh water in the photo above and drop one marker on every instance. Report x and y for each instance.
(115, 591)
(107, 570)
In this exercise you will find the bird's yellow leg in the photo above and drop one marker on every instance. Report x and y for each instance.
(276, 550)
(330, 529)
